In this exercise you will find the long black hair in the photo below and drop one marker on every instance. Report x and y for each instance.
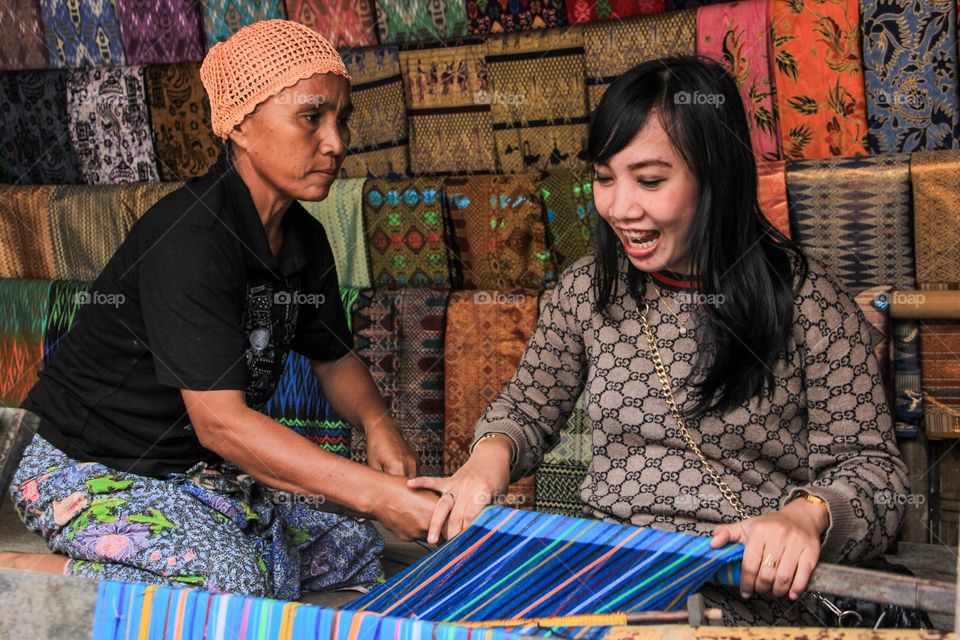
(737, 256)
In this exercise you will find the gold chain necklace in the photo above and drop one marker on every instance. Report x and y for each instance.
(682, 323)
(725, 489)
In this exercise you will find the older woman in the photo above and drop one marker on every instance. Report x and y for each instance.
(732, 386)
(152, 462)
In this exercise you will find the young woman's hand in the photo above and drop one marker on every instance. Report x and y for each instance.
(781, 549)
(464, 494)
(388, 450)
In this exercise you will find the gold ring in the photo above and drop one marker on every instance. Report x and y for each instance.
(768, 561)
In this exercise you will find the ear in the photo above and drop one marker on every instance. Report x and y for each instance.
(245, 132)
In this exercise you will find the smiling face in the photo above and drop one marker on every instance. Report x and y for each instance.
(648, 196)
(297, 139)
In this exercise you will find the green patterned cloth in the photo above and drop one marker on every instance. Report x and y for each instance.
(420, 20)
(407, 232)
(571, 215)
(23, 319)
(341, 215)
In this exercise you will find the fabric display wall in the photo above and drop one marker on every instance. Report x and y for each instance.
(936, 192)
(466, 190)
(486, 335)
(399, 335)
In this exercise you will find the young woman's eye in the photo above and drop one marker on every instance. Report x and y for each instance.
(603, 179)
(650, 184)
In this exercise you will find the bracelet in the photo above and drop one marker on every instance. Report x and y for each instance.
(491, 434)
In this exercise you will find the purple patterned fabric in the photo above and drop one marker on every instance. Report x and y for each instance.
(162, 31)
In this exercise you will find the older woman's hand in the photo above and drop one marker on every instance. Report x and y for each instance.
(388, 450)
(781, 549)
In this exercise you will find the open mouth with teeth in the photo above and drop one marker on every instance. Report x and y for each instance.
(641, 239)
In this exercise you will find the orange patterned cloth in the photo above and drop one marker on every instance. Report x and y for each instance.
(500, 233)
(26, 250)
(736, 34)
(772, 192)
(818, 77)
(487, 332)
(259, 61)
(345, 23)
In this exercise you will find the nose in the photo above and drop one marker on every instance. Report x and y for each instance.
(333, 139)
(624, 207)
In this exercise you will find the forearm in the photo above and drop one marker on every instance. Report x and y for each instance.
(282, 459)
(351, 391)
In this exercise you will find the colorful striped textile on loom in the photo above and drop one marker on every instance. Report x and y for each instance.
(140, 611)
(512, 564)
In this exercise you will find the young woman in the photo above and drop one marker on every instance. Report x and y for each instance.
(781, 438)
(152, 462)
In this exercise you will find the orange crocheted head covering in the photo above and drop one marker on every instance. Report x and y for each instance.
(259, 61)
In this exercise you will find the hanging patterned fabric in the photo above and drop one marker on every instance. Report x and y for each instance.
(940, 344)
(34, 141)
(565, 465)
(910, 69)
(399, 335)
(223, 18)
(820, 96)
(420, 20)
(487, 332)
(736, 35)
(159, 32)
(504, 16)
(499, 231)
(27, 247)
(110, 125)
(612, 48)
(594, 10)
(379, 123)
(407, 234)
(345, 23)
(22, 44)
(341, 214)
(853, 215)
(450, 123)
(772, 193)
(299, 402)
(23, 316)
(66, 296)
(516, 565)
(88, 224)
(82, 34)
(936, 191)
(571, 215)
(180, 117)
(679, 5)
(155, 611)
(538, 100)
(935, 178)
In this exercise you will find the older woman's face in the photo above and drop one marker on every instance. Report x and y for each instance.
(297, 139)
(649, 197)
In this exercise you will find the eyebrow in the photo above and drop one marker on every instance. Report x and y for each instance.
(641, 164)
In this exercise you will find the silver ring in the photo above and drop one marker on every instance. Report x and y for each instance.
(447, 493)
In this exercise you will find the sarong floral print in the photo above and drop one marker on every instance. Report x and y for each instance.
(210, 527)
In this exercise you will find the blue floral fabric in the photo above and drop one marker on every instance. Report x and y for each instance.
(211, 527)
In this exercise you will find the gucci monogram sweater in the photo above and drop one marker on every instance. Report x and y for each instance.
(823, 428)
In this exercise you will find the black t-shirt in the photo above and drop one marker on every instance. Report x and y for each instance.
(192, 299)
